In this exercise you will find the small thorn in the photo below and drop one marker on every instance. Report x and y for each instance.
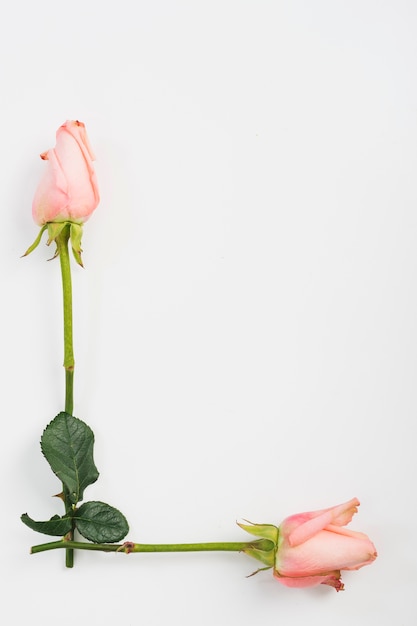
(126, 547)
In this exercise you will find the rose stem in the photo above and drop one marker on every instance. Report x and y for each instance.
(62, 248)
(128, 547)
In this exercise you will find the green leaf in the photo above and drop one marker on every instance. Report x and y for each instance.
(100, 522)
(67, 444)
(56, 526)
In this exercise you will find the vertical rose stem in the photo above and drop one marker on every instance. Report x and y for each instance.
(62, 249)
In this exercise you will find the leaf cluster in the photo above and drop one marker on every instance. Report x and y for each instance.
(67, 444)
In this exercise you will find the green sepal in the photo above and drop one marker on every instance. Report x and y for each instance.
(260, 569)
(37, 241)
(67, 444)
(56, 526)
(264, 551)
(76, 233)
(267, 531)
(54, 230)
(101, 523)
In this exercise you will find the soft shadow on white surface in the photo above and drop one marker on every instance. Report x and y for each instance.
(245, 326)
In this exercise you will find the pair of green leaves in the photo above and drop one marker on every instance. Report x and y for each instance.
(67, 444)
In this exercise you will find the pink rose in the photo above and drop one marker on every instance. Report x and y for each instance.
(313, 547)
(68, 190)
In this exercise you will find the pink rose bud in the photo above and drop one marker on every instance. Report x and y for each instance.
(68, 190)
(313, 547)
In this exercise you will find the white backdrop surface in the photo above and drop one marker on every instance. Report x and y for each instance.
(245, 325)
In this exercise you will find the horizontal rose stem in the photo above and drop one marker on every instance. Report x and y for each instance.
(128, 547)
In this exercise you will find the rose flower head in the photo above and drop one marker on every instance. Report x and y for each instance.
(314, 547)
(68, 192)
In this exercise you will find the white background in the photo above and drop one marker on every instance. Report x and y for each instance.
(245, 325)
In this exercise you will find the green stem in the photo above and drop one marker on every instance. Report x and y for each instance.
(69, 363)
(128, 547)
(62, 244)
(69, 391)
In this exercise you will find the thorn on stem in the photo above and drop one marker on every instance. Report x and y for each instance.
(126, 547)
